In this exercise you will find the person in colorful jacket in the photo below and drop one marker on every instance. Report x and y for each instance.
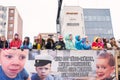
(86, 44)
(60, 45)
(97, 44)
(26, 44)
(16, 42)
(69, 42)
(39, 42)
(78, 43)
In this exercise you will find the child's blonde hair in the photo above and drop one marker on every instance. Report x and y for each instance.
(109, 56)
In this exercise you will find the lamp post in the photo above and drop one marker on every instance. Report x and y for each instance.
(58, 24)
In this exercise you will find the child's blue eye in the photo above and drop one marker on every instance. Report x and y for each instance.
(97, 67)
(104, 67)
(22, 57)
(46, 68)
(40, 68)
(9, 56)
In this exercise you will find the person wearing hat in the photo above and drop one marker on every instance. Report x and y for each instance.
(60, 45)
(43, 67)
(16, 42)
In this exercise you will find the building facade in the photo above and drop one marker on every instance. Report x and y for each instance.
(98, 23)
(3, 19)
(10, 22)
(86, 22)
(72, 21)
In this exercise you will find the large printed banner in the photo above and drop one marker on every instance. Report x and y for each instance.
(79, 65)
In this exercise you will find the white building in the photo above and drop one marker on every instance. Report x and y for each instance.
(72, 21)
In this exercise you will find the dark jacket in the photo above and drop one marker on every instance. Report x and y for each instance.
(60, 45)
(50, 44)
(35, 44)
(3, 44)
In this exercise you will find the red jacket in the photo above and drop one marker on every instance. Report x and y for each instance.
(96, 45)
(16, 43)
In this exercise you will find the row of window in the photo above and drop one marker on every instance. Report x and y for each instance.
(5, 9)
(100, 24)
(99, 31)
(10, 32)
(97, 18)
(2, 31)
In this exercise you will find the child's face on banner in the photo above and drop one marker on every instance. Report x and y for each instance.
(43, 71)
(103, 69)
(12, 61)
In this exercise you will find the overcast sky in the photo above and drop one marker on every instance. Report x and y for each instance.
(39, 16)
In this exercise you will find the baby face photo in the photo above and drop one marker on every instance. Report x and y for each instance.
(12, 61)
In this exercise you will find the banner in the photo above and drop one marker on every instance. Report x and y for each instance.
(78, 64)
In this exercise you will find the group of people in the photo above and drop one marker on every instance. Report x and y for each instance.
(63, 43)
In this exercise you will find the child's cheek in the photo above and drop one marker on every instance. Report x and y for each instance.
(22, 63)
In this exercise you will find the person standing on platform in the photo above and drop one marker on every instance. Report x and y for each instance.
(16, 42)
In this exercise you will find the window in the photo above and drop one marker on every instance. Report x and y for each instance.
(97, 18)
(11, 18)
(3, 16)
(85, 18)
(10, 32)
(109, 31)
(107, 18)
(11, 11)
(89, 18)
(2, 30)
(4, 9)
(94, 18)
(10, 25)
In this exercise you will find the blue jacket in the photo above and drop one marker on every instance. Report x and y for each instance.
(26, 46)
(23, 75)
(49, 77)
(69, 43)
(78, 43)
(86, 46)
